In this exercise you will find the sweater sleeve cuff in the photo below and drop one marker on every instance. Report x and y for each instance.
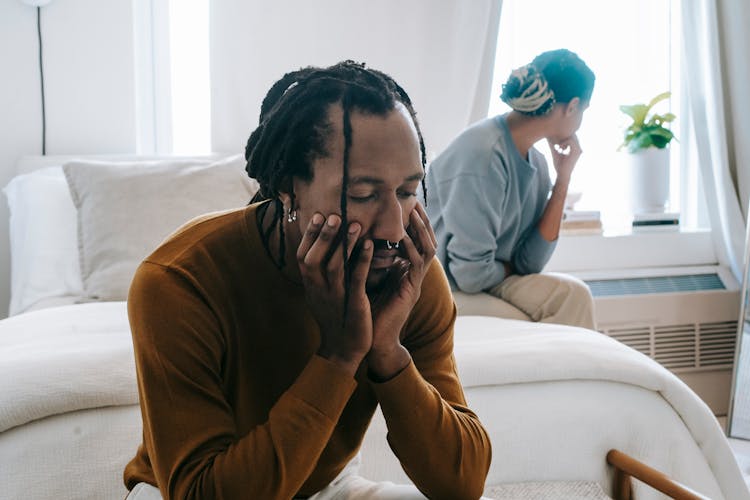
(324, 386)
(539, 250)
(472, 279)
(402, 396)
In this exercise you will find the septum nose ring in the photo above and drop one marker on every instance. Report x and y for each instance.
(391, 245)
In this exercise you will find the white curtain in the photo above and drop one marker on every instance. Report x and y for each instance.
(716, 71)
(441, 51)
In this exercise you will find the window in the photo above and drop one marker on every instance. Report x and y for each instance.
(189, 77)
(173, 110)
(633, 48)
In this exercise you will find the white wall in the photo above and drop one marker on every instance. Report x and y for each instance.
(441, 52)
(89, 84)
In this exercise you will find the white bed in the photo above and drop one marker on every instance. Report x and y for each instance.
(555, 399)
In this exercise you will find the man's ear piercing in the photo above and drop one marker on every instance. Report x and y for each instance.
(291, 215)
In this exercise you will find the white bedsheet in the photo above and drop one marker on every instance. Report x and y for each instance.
(645, 406)
(577, 354)
(64, 359)
(535, 386)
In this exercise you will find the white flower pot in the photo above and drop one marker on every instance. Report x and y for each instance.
(649, 180)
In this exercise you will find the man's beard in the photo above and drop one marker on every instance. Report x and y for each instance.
(382, 284)
(386, 277)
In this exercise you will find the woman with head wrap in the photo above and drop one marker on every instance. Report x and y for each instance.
(489, 199)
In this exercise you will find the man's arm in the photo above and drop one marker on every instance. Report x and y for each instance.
(189, 428)
(439, 441)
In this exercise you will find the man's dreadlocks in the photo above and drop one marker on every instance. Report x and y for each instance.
(294, 129)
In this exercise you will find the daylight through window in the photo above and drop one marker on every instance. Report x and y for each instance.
(633, 47)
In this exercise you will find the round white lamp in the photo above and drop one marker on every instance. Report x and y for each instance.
(36, 3)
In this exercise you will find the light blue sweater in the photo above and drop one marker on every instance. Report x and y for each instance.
(484, 202)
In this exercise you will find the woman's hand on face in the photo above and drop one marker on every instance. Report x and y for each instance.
(320, 258)
(565, 155)
(391, 308)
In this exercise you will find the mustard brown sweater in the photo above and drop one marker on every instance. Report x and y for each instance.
(235, 402)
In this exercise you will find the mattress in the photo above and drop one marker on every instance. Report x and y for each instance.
(74, 455)
(554, 400)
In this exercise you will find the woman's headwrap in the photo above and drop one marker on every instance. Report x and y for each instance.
(528, 92)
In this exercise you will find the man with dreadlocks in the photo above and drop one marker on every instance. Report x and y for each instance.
(495, 212)
(265, 337)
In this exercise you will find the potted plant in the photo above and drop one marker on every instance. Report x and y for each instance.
(646, 142)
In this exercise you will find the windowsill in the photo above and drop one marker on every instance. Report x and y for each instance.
(623, 231)
(625, 249)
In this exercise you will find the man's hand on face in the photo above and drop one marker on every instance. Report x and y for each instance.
(372, 325)
(398, 295)
(344, 339)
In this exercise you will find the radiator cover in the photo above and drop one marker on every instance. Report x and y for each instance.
(692, 333)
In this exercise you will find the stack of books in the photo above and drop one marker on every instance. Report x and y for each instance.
(581, 222)
(656, 221)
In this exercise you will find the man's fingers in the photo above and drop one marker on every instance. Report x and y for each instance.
(351, 238)
(310, 235)
(361, 266)
(413, 254)
(321, 247)
(423, 227)
(335, 264)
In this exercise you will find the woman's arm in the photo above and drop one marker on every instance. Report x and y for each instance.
(472, 214)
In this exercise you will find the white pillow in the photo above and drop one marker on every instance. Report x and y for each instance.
(43, 243)
(126, 209)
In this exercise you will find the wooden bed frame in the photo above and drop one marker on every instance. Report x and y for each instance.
(627, 467)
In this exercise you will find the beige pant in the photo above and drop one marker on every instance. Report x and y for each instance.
(343, 488)
(549, 298)
(348, 485)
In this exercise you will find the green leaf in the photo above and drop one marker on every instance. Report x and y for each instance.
(668, 118)
(660, 97)
(642, 141)
(642, 134)
(662, 132)
(636, 111)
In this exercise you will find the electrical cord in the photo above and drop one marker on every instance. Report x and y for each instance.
(41, 79)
